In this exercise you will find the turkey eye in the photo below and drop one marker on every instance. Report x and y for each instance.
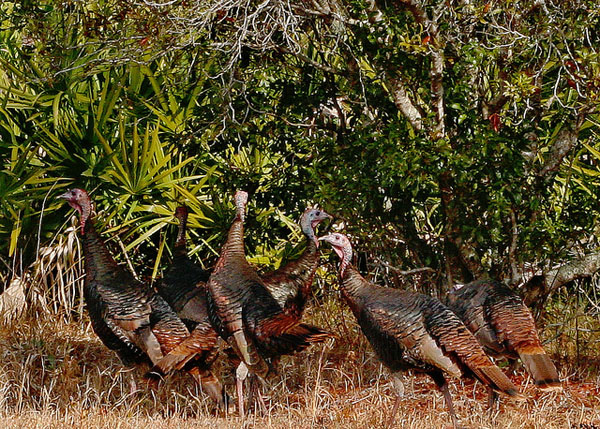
(318, 213)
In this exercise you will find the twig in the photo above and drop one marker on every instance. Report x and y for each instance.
(129, 264)
(405, 272)
(37, 250)
(312, 62)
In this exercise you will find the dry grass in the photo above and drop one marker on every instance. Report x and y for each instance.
(56, 374)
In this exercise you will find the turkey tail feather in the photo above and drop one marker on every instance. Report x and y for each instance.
(498, 381)
(542, 370)
(312, 334)
(296, 338)
(194, 344)
(172, 360)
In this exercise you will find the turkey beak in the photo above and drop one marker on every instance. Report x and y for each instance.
(321, 218)
(69, 197)
(338, 251)
(65, 196)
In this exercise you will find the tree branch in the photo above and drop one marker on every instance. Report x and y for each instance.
(395, 86)
(540, 286)
(437, 58)
(513, 246)
(437, 91)
(565, 141)
(404, 103)
(404, 272)
(580, 268)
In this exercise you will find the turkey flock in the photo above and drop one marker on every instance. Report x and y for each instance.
(194, 316)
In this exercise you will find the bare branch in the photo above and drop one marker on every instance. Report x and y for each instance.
(540, 286)
(580, 268)
(405, 272)
(437, 91)
(325, 11)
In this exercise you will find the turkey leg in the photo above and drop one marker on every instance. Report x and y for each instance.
(397, 382)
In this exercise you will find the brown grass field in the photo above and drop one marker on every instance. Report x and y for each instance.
(57, 374)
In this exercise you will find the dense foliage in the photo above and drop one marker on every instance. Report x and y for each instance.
(462, 137)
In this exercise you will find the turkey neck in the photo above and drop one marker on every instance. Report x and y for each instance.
(85, 211)
(98, 261)
(304, 267)
(308, 260)
(353, 285)
(181, 244)
(234, 246)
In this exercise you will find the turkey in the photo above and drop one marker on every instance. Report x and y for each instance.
(409, 330)
(504, 327)
(183, 287)
(290, 284)
(127, 316)
(245, 314)
(179, 283)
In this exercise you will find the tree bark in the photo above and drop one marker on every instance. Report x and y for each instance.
(437, 92)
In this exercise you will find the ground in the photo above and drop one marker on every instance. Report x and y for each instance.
(54, 373)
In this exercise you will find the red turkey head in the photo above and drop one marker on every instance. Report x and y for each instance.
(309, 221)
(80, 201)
(342, 246)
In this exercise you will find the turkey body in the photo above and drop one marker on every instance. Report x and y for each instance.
(504, 327)
(408, 330)
(183, 288)
(245, 314)
(127, 315)
(122, 307)
(110, 333)
(290, 285)
(411, 331)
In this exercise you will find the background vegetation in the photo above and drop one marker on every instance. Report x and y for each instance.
(451, 140)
